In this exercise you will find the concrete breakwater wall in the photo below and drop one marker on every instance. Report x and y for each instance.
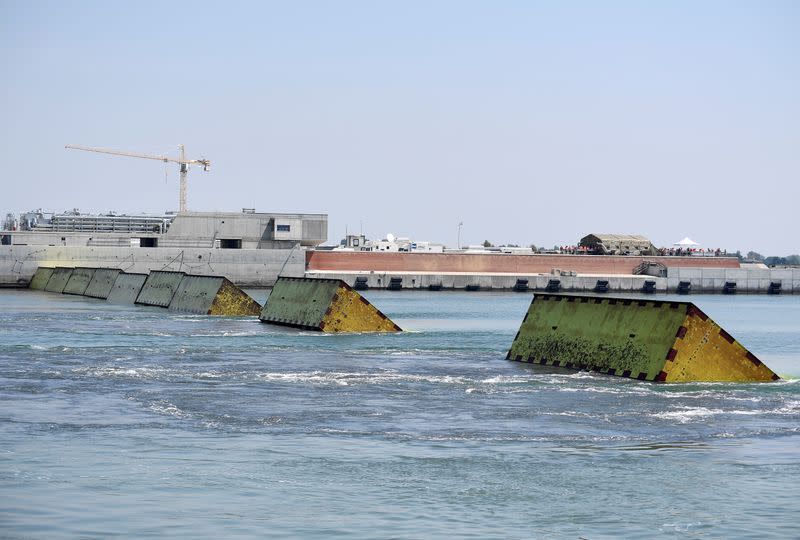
(502, 263)
(486, 281)
(261, 267)
(745, 280)
(244, 267)
(700, 280)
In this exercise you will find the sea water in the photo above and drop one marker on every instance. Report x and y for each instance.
(137, 422)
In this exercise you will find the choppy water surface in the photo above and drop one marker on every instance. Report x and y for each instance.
(138, 422)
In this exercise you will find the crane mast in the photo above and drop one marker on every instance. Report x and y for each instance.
(181, 161)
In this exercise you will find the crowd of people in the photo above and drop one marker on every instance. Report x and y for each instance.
(664, 251)
(575, 250)
(689, 251)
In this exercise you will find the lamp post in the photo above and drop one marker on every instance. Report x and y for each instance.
(460, 223)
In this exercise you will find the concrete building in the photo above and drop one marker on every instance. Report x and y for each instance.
(390, 244)
(219, 230)
(246, 230)
(249, 248)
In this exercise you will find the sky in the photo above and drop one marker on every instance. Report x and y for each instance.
(529, 122)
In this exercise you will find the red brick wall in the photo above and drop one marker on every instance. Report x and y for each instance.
(494, 262)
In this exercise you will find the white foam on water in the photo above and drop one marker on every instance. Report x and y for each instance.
(689, 414)
(575, 414)
(226, 334)
(791, 407)
(599, 390)
(508, 379)
(346, 378)
(703, 394)
(505, 390)
(406, 352)
(122, 371)
(208, 375)
(168, 409)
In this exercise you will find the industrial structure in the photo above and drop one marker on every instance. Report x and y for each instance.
(221, 230)
(251, 248)
(254, 248)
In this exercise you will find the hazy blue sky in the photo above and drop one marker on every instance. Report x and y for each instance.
(531, 122)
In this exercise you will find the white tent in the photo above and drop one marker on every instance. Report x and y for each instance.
(686, 242)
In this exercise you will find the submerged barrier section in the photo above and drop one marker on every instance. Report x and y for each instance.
(159, 288)
(327, 305)
(641, 339)
(40, 278)
(207, 295)
(59, 279)
(126, 288)
(78, 281)
(102, 282)
(212, 295)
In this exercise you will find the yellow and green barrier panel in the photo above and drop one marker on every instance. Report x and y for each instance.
(212, 295)
(662, 341)
(327, 305)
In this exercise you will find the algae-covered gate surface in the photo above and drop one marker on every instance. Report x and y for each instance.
(126, 288)
(643, 339)
(159, 288)
(328, 305)
(212, 295)
(40, 278)
(79, 280)
(206, 295)
(59, 279)
(102, 282)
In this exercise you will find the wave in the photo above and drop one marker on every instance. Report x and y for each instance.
(685, 414)
(166, 408)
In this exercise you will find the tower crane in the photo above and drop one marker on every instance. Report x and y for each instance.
(182, 161)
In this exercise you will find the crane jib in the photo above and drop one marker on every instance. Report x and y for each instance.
(182, 161)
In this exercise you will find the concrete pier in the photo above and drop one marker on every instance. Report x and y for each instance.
(261, 268)
(701, 280)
